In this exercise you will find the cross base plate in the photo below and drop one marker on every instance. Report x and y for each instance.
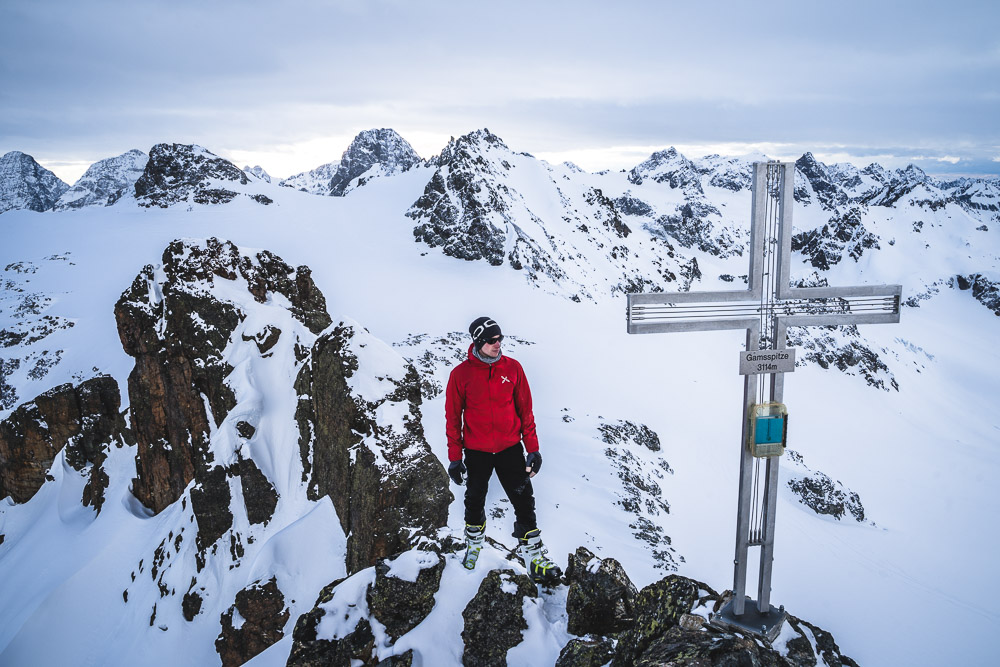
(752, 621)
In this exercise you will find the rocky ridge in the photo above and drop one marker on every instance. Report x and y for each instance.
(607, 620)
(225, 476)
(105, 181)
(25, 184)
(474, 208)
(188, 173)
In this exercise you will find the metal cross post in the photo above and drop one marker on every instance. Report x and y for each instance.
(765, 309)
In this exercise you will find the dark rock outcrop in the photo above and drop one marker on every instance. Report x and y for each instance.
(309, 650)
(601, 599)
(843, 236)
(401, 605)
(187, 173)
(821, 494)
(821, 181)
(387, 486)
(586, 653)
(382, 148)
(177, 329)
(263, 614)
(25, 184)
(984, 290)
(84, 419)
(494, 618)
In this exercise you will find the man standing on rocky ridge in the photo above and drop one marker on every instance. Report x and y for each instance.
(488, 412)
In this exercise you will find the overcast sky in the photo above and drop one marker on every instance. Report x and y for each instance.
(287, 84)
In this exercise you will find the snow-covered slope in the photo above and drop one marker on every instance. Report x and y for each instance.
(25, 184)
(885, 502)
(105, 181)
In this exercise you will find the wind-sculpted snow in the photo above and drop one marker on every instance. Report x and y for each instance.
(105, 181)
(25, 184)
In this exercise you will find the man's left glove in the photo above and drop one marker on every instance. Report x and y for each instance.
(457, 470)
(534, 463)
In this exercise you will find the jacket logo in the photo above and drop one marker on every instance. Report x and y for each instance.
(503, 378)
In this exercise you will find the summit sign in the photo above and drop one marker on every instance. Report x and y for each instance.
(767, 361)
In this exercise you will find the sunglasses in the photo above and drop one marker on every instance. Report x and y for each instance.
(494, 340)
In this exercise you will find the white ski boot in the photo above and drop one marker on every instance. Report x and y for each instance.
(474, 537)
(533, 553)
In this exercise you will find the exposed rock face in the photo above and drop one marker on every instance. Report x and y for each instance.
(105, 181)
(382, 148)
(177, 329)
(262, 616)
(385, 483)
(986, 291)
(843, 348)
(399, 604)
(731, 173)
(84, 419)
(586, 653)
(820, 181)
(669, 630)
(843, 236)
(187, 173)
(821, 494)
(26, 184)
(671, 168)
(494, 618)
(601, 599)
(316, 181)
(667, 623)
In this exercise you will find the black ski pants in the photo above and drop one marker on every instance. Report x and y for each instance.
(509, 466)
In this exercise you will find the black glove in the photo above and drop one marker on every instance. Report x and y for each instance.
(533, 463)
(456, 470)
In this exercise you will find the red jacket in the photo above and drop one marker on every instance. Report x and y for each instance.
(488, 407)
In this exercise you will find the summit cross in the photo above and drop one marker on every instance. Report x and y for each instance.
(765, 310)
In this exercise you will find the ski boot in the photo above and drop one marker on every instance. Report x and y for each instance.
(532, 552)
(474, 537)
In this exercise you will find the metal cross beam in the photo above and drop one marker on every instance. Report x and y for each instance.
(765, 310)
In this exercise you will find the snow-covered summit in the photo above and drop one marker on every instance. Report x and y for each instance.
(669, 167)
(382, 152)
(105, 181)
(315, 181)
(258, 172)
(26, 184)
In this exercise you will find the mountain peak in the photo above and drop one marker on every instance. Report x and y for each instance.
(670, 167)
(105, 181)
(383, 148)
(187, 172)
(25, 184)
